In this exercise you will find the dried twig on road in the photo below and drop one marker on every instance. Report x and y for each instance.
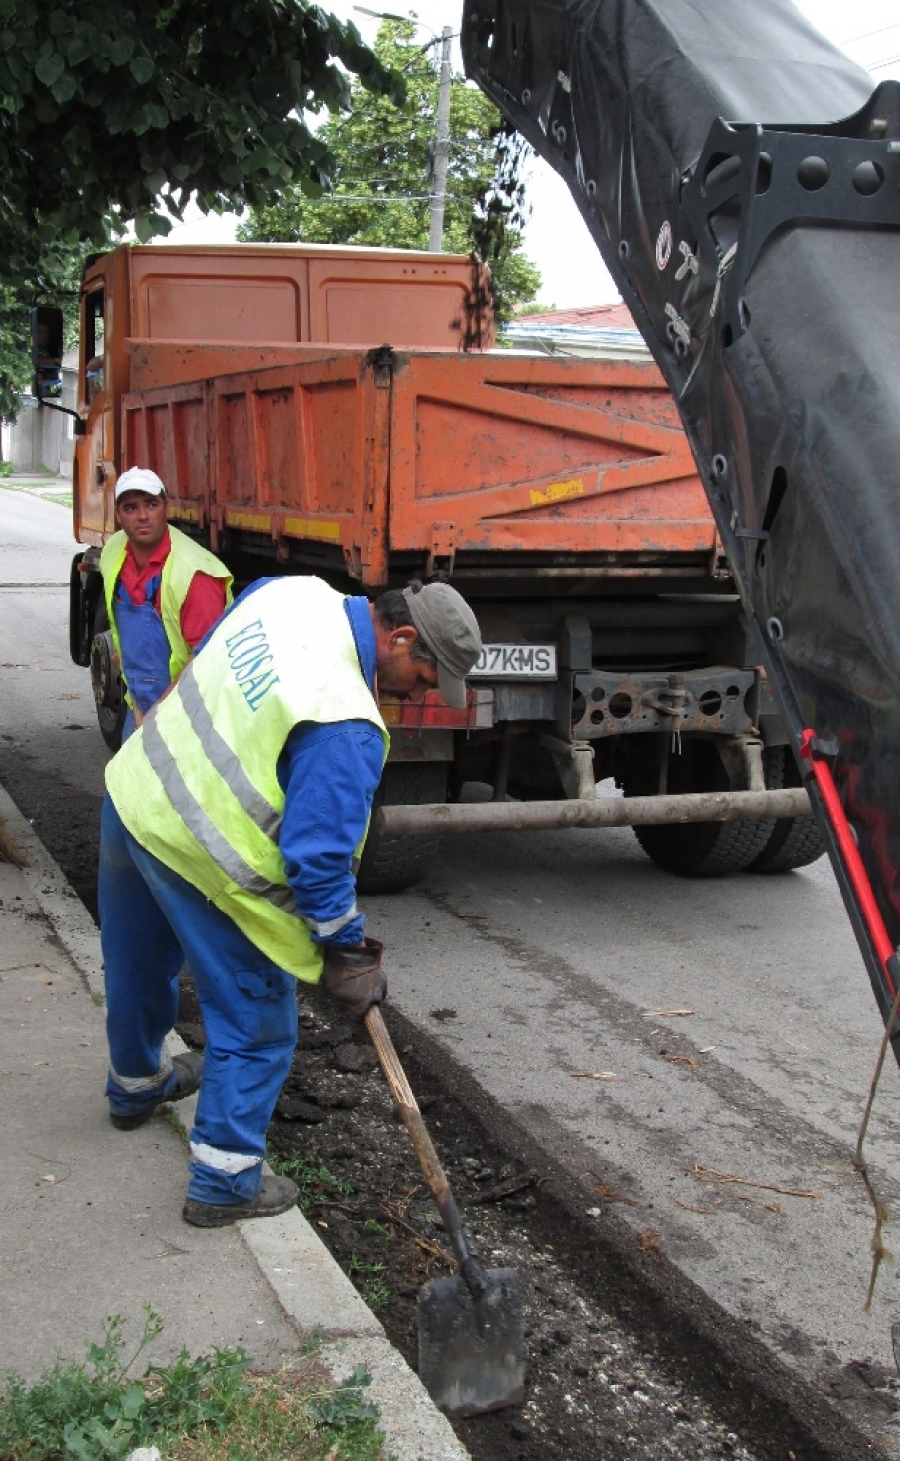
(666, 1014)
(879, 1251)
(503, 1189)
(705, 1174)
(684, 1060)
(422, 1243)
(648, 1242)
(609, 1194)
(593, 1075)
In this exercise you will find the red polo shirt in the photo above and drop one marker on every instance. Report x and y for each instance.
(205, 602)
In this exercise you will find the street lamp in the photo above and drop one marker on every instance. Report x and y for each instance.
(438, 191)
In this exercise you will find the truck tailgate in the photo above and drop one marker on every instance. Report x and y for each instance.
(442, 456)
(508, 453)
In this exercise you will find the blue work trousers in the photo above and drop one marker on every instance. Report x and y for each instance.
(151, 922)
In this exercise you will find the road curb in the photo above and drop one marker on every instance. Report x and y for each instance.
(310, 1288)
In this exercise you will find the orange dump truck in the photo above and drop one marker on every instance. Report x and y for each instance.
(341, 412)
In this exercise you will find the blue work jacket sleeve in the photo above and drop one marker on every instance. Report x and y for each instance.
(329, 774)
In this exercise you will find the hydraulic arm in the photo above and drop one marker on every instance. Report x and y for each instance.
(742, 182)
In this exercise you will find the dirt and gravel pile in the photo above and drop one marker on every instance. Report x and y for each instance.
(592, 1392)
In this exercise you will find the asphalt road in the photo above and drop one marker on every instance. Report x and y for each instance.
(546, 956)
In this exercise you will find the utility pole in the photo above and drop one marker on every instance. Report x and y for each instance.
(441, 148)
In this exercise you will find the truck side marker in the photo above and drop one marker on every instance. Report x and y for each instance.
(312, 527)
(557, 491)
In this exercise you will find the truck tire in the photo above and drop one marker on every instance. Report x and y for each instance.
(106, 682)
(392, 864)
(795, 841)
(702, 849)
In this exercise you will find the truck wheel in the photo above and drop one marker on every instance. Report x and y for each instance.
(702, 849)
(795, 841)
(106, 682)
(390, 864)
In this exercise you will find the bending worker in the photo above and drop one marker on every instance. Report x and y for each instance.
(230, 834)
(163, 592)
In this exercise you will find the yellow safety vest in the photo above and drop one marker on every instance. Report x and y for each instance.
(197, 786)
(185, 559)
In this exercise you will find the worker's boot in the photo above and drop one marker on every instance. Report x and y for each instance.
(188, 1072)
(277, 1194)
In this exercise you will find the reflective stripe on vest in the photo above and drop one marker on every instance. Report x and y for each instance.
(204, 828)
(197, 786)
(224, 759)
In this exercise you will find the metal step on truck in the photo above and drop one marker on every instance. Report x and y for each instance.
(341, 412)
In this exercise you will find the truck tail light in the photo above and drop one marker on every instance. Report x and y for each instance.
(433, 713)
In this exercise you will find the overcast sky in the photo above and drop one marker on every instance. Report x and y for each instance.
(556, 238)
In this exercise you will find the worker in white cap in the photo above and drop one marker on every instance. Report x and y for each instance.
(163, 591)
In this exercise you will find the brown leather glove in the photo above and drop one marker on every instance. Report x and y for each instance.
(354, 977)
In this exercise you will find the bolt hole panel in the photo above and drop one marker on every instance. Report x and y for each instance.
(620, 705)
(710, 702)
(867, 178)
(813, 173)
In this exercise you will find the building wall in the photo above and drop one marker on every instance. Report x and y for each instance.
(44, 437)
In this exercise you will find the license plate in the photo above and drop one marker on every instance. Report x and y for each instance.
(515, 662)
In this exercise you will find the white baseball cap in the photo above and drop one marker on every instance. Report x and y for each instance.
(140, 479)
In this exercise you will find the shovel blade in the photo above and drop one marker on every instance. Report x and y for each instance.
(472, 1351)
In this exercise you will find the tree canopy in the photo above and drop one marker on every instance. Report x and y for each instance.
(382, 160)
(122, 111)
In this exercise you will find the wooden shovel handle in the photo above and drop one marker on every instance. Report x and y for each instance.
(408, 1106)
(457, 1231)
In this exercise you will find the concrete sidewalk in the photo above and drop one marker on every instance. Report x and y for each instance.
(90, 1218)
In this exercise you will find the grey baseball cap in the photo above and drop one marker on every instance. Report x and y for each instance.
(450, 630)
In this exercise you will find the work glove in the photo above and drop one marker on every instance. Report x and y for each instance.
(354, 977)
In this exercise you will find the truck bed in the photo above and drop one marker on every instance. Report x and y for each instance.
(377, 461)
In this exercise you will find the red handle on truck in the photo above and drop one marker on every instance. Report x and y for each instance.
(856, 872)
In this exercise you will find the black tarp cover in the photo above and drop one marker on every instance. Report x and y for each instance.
(802, 409)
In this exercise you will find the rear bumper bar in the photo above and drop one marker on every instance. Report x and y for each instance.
(600, 811)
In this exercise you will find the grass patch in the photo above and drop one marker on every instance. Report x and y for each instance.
(313, 1178)
(369, 1276)
(211, 1408)
(6, 469)
(63, 499)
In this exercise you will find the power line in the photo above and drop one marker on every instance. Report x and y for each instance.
(895, 25)
(372, 198)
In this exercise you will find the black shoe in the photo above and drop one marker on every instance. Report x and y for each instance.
(277, 1194)
(188, 1071)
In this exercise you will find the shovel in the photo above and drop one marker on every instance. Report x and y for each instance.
(471, 1334)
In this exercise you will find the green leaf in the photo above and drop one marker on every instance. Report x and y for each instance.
(142, 68)
(122, 50)
(78, 50)
(132, 1402)
(65, 88)
(156, 115)
(50, 68)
